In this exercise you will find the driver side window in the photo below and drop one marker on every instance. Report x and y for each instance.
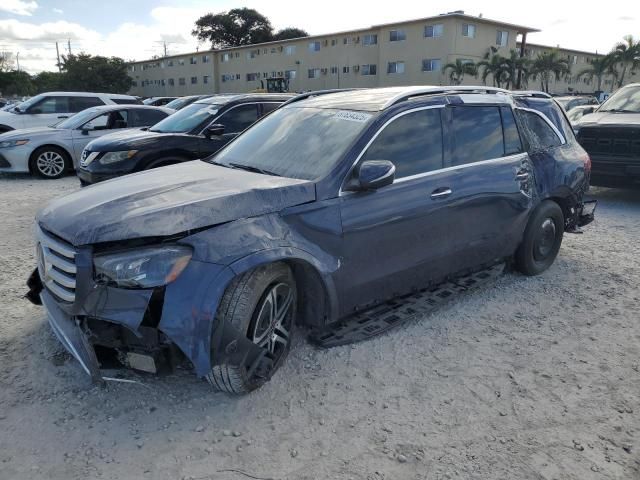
(108, 121)
(50, 105)
(239, 118)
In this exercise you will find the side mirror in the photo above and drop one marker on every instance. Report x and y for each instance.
(215, 130)
(85, 131)
(588, 110)
(374, 174)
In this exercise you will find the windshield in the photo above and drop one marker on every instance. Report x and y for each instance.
(77, 120)
(186, 119)
(294, 142)
(178, 103)
(625, 100)
(26, 104)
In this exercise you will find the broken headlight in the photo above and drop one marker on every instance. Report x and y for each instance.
(142, 268)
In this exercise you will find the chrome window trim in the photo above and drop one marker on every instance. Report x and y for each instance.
(563, 140)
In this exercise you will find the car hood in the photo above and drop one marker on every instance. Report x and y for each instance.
(29, 133)
(610, 119)
(167, 201)
(126, 140)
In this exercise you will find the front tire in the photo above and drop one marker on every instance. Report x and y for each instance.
(261, 304)
(542, 239)
(50, 162)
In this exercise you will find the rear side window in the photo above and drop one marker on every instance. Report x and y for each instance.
(537, 131)
(126, 101)
(477, 134)
(512, 143)
(239, 118)
(413, 142)
(269, 107)
(146, 118)
(78, 104)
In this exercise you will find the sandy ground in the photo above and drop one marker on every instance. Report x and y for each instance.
(534, 378)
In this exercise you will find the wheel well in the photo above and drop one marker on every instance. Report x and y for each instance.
(313, 302)
(32, 157)
(566, 205)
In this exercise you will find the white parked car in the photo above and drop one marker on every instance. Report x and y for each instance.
(49, 108)
(52, 151)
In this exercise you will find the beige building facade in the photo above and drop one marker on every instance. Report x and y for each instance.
(413, 52)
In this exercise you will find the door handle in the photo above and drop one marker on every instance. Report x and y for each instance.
(63, 116)
(441, 193)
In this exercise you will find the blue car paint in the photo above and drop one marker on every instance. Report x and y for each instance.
(356, 243)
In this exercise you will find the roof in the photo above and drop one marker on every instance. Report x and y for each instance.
(84, 94)
(237, 97)
(558, 47)
(377, 99)
(129, 106)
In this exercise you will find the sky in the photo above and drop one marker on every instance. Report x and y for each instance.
(137, 29)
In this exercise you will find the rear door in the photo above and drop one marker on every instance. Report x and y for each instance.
(489, 177)
(235, 120)
(47, 111)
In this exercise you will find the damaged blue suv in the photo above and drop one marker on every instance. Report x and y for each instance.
(329, 206)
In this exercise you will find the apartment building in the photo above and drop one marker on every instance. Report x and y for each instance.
(412, 52)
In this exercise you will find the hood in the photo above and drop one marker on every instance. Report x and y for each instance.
(610, 119)
(167, 201)
(135, 139)
(28, 133)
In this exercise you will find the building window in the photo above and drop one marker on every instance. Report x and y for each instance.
(252, 77)
(334, 42)
(169, 63)
(314, 46)
(573, 59)
(193, 60)
(181, 81)
(346, 40)
(431, 65)
(502, 38)
(290, 50)
(133, 68)
(194, 80)
(181, 61)
(397, 35)
(171, 82)
(226, 57)
(205, 79)
(468, 30)
(334, 70)
(371, 39)
(395, 67)
(206, 59)
(265, 51)
(290, 74)
(433, 31)
(228, 77)
(273, 49)
(369, 69)
(314, 72)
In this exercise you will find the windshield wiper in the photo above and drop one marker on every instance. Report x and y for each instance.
(250, 168)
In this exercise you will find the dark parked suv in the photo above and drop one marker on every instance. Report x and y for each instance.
(328, 206)
(611, 135)
(195, 131)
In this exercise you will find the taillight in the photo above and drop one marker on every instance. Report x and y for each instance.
(587, 162)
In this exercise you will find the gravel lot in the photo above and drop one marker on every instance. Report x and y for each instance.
(525, 378)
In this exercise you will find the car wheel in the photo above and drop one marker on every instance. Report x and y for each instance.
(261, 304)
(50, 162)
(542, 239)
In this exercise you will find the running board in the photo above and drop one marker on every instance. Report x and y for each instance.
(382, 318)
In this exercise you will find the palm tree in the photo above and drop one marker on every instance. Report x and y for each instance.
(494, 65)
(512, 65)
(547, 64)
(459, 69)
(599, 68)
(626, 53)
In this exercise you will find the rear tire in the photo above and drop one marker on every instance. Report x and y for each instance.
(247, 305)
(542, 239)
(50, 162)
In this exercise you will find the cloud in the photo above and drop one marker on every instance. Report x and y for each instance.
(58, 11)
(626, 18)
(18, 7)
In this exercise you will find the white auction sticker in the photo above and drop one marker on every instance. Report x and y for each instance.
(353, 116)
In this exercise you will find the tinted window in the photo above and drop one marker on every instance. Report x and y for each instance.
(477, 134)
(269, 107)
(78, 104)
(413, 142)
(512, 143)
(537, 131)
(108, 121)
(126, 101)
(146, 118)
(191, 117)
(238, 118)
(51, 105)
(551, 110)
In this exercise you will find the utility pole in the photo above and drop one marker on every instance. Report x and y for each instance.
(18, 60)
(58, 55)
(165, 48)
(69, 45)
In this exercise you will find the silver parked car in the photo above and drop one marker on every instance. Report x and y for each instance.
(52, 151)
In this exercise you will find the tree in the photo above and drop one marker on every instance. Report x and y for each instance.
(239, 26)
(16, 83)
(548, 64)
(287, 33)
(493, 64)
(459, 69)
(48, 81)
(627, 54)
(513, 65)
(598, 69)
(86, 73)
(6, 62)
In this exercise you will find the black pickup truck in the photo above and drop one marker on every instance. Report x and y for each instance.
(611, 136)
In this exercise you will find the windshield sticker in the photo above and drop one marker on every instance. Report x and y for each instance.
(353, 116)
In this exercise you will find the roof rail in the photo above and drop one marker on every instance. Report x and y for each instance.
(531, 93)
(316, 93)
(427, 91)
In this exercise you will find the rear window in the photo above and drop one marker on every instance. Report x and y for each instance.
(537, 131)
(549, 109)
(126, 101)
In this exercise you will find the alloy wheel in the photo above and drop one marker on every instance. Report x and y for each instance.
(271, 328)
(50, 164)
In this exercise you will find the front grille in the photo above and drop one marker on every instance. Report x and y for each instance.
(56, 265)
(613, 141)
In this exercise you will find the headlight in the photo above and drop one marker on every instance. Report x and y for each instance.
(13, 143)
(114, 157)
(142, 268)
